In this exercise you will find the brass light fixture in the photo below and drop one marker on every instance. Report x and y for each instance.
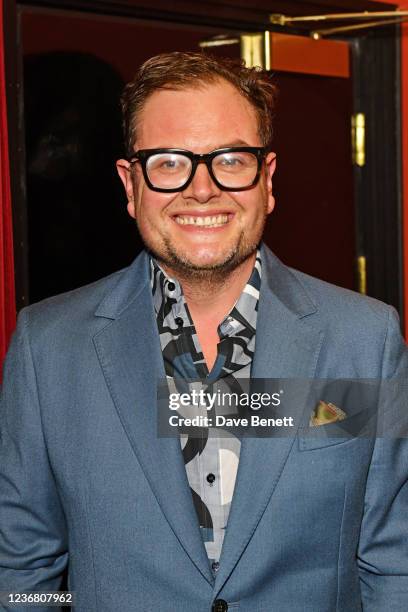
(254, 47)
(366, 19)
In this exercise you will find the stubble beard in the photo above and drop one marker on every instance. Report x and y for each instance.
(205, 275)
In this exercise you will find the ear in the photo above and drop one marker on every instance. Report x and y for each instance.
(124, 170)
(270, 164)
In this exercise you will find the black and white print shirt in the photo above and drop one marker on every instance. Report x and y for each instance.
(211, 461)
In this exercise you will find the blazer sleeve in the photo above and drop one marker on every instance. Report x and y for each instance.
(33, 539)
(383, 547)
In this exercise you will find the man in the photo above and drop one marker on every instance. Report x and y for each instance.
(145, 522)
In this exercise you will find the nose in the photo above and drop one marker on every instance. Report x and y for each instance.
(202, 188)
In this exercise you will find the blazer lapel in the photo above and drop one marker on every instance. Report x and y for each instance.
(129, 352)
(288, 341)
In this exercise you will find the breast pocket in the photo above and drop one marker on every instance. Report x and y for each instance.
(358, 426)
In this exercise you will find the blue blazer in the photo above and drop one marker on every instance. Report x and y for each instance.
(317, 523)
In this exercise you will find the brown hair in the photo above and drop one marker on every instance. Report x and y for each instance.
(181, 70)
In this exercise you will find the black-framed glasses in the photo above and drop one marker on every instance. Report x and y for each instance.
(171, 170)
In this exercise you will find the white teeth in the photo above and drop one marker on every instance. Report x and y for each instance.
(214, 221)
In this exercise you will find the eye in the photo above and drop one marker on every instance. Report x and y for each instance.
(234, 162)
(229, 160)
(167, 163)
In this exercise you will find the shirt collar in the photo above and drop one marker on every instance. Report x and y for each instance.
(168, 295)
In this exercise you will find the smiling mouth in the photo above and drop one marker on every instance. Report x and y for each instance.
(203, 221)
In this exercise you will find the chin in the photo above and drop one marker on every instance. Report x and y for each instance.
(205, 260)
(207, 266)
(204, 257)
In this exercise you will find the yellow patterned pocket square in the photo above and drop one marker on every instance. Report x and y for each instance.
(325, 413)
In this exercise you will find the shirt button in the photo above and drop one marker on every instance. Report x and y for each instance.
(215, 565)
(210, 478)
(179, 321)
(171, 286)
(219, 605)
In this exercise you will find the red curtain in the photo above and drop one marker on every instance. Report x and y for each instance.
(7, 292)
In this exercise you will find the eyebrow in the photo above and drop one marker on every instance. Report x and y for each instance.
(227, 145)
(235, 143)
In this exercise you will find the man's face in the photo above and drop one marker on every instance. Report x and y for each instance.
(199, 120)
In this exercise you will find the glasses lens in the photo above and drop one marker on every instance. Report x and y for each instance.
(236, 169)
(168, 170)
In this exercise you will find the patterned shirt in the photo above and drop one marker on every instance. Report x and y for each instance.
(211, 461)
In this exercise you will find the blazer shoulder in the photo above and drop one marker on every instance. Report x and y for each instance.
(354, 321)
(366, 330)
(69, 312)
(305, 294)
(331, 299)
(362, 335)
